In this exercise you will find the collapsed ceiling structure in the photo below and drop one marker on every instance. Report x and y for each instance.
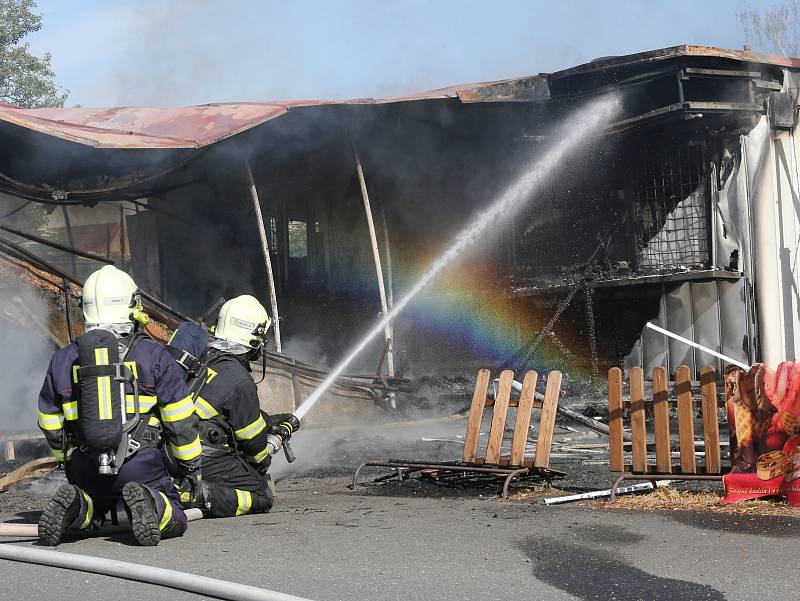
(656, 223)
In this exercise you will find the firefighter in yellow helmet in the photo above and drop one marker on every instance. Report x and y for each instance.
(238, 438)
(109, 402)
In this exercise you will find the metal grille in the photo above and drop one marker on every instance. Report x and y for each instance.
(671, 214)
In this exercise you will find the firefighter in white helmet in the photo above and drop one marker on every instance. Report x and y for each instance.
(109, 402)
(236, 435)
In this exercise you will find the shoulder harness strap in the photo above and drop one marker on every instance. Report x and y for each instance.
(188, 361)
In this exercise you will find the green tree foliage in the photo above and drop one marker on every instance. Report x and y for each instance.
(25, 79)
(774, 28)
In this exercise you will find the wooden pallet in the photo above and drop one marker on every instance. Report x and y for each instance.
(660, 466)
(490, 460)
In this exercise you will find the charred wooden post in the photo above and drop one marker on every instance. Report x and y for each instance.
(70, 239)
(273, 300)
(121, 235)
(67, 308)
(387, 330)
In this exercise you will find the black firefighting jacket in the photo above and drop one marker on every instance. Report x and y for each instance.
(163, 399)
(229, 397)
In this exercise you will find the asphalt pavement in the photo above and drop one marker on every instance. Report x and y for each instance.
(421, 541)
(415, 541)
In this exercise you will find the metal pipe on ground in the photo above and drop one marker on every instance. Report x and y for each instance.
(183, 581)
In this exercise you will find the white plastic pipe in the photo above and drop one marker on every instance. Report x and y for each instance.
(705, 349)
(193, 583)
(597, 494)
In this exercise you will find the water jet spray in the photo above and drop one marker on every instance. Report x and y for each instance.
(590, 121)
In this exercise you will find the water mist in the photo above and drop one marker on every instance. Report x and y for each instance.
(577, 130)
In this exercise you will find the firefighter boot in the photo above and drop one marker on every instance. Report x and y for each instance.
(69, 508)
(142, 511)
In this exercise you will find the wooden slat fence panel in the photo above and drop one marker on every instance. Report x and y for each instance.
(708, 392)
(547, 421)
(638, 424)
(661, 420)
(498, 427)
(615, 423)
(683, 385)
(523, 420)
(476, 416)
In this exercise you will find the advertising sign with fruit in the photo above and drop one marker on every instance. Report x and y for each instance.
(764, 412)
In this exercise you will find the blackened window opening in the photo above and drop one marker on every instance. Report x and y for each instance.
(670, 207)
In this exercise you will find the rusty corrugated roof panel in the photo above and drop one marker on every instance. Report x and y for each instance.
(186, 127)
(144, 127)
(198, 126)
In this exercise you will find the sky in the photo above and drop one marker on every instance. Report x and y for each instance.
(181, 52)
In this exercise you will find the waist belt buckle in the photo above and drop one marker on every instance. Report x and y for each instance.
(133, 446)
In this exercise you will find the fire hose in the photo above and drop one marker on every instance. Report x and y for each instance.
(31, 530)
(193, 583)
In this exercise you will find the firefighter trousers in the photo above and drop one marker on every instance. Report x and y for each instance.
(104, 492)
(234, 487)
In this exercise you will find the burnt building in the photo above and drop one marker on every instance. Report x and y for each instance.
(684, 212)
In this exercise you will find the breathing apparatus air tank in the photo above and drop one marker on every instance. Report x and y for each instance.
(102, 424)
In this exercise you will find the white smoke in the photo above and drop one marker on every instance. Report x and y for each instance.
(26, 346)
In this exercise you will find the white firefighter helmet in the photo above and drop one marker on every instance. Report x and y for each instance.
(109, 297)
(243, 320)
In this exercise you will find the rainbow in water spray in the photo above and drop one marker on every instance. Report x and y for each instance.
(578, 128)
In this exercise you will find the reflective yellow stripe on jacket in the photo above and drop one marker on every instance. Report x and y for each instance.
(58, 454)
(70, 410)
(175, 412)
(259, 457)
(251, 430)
(146, 403)
(203, 408)
(51, 421)
(187, 452)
